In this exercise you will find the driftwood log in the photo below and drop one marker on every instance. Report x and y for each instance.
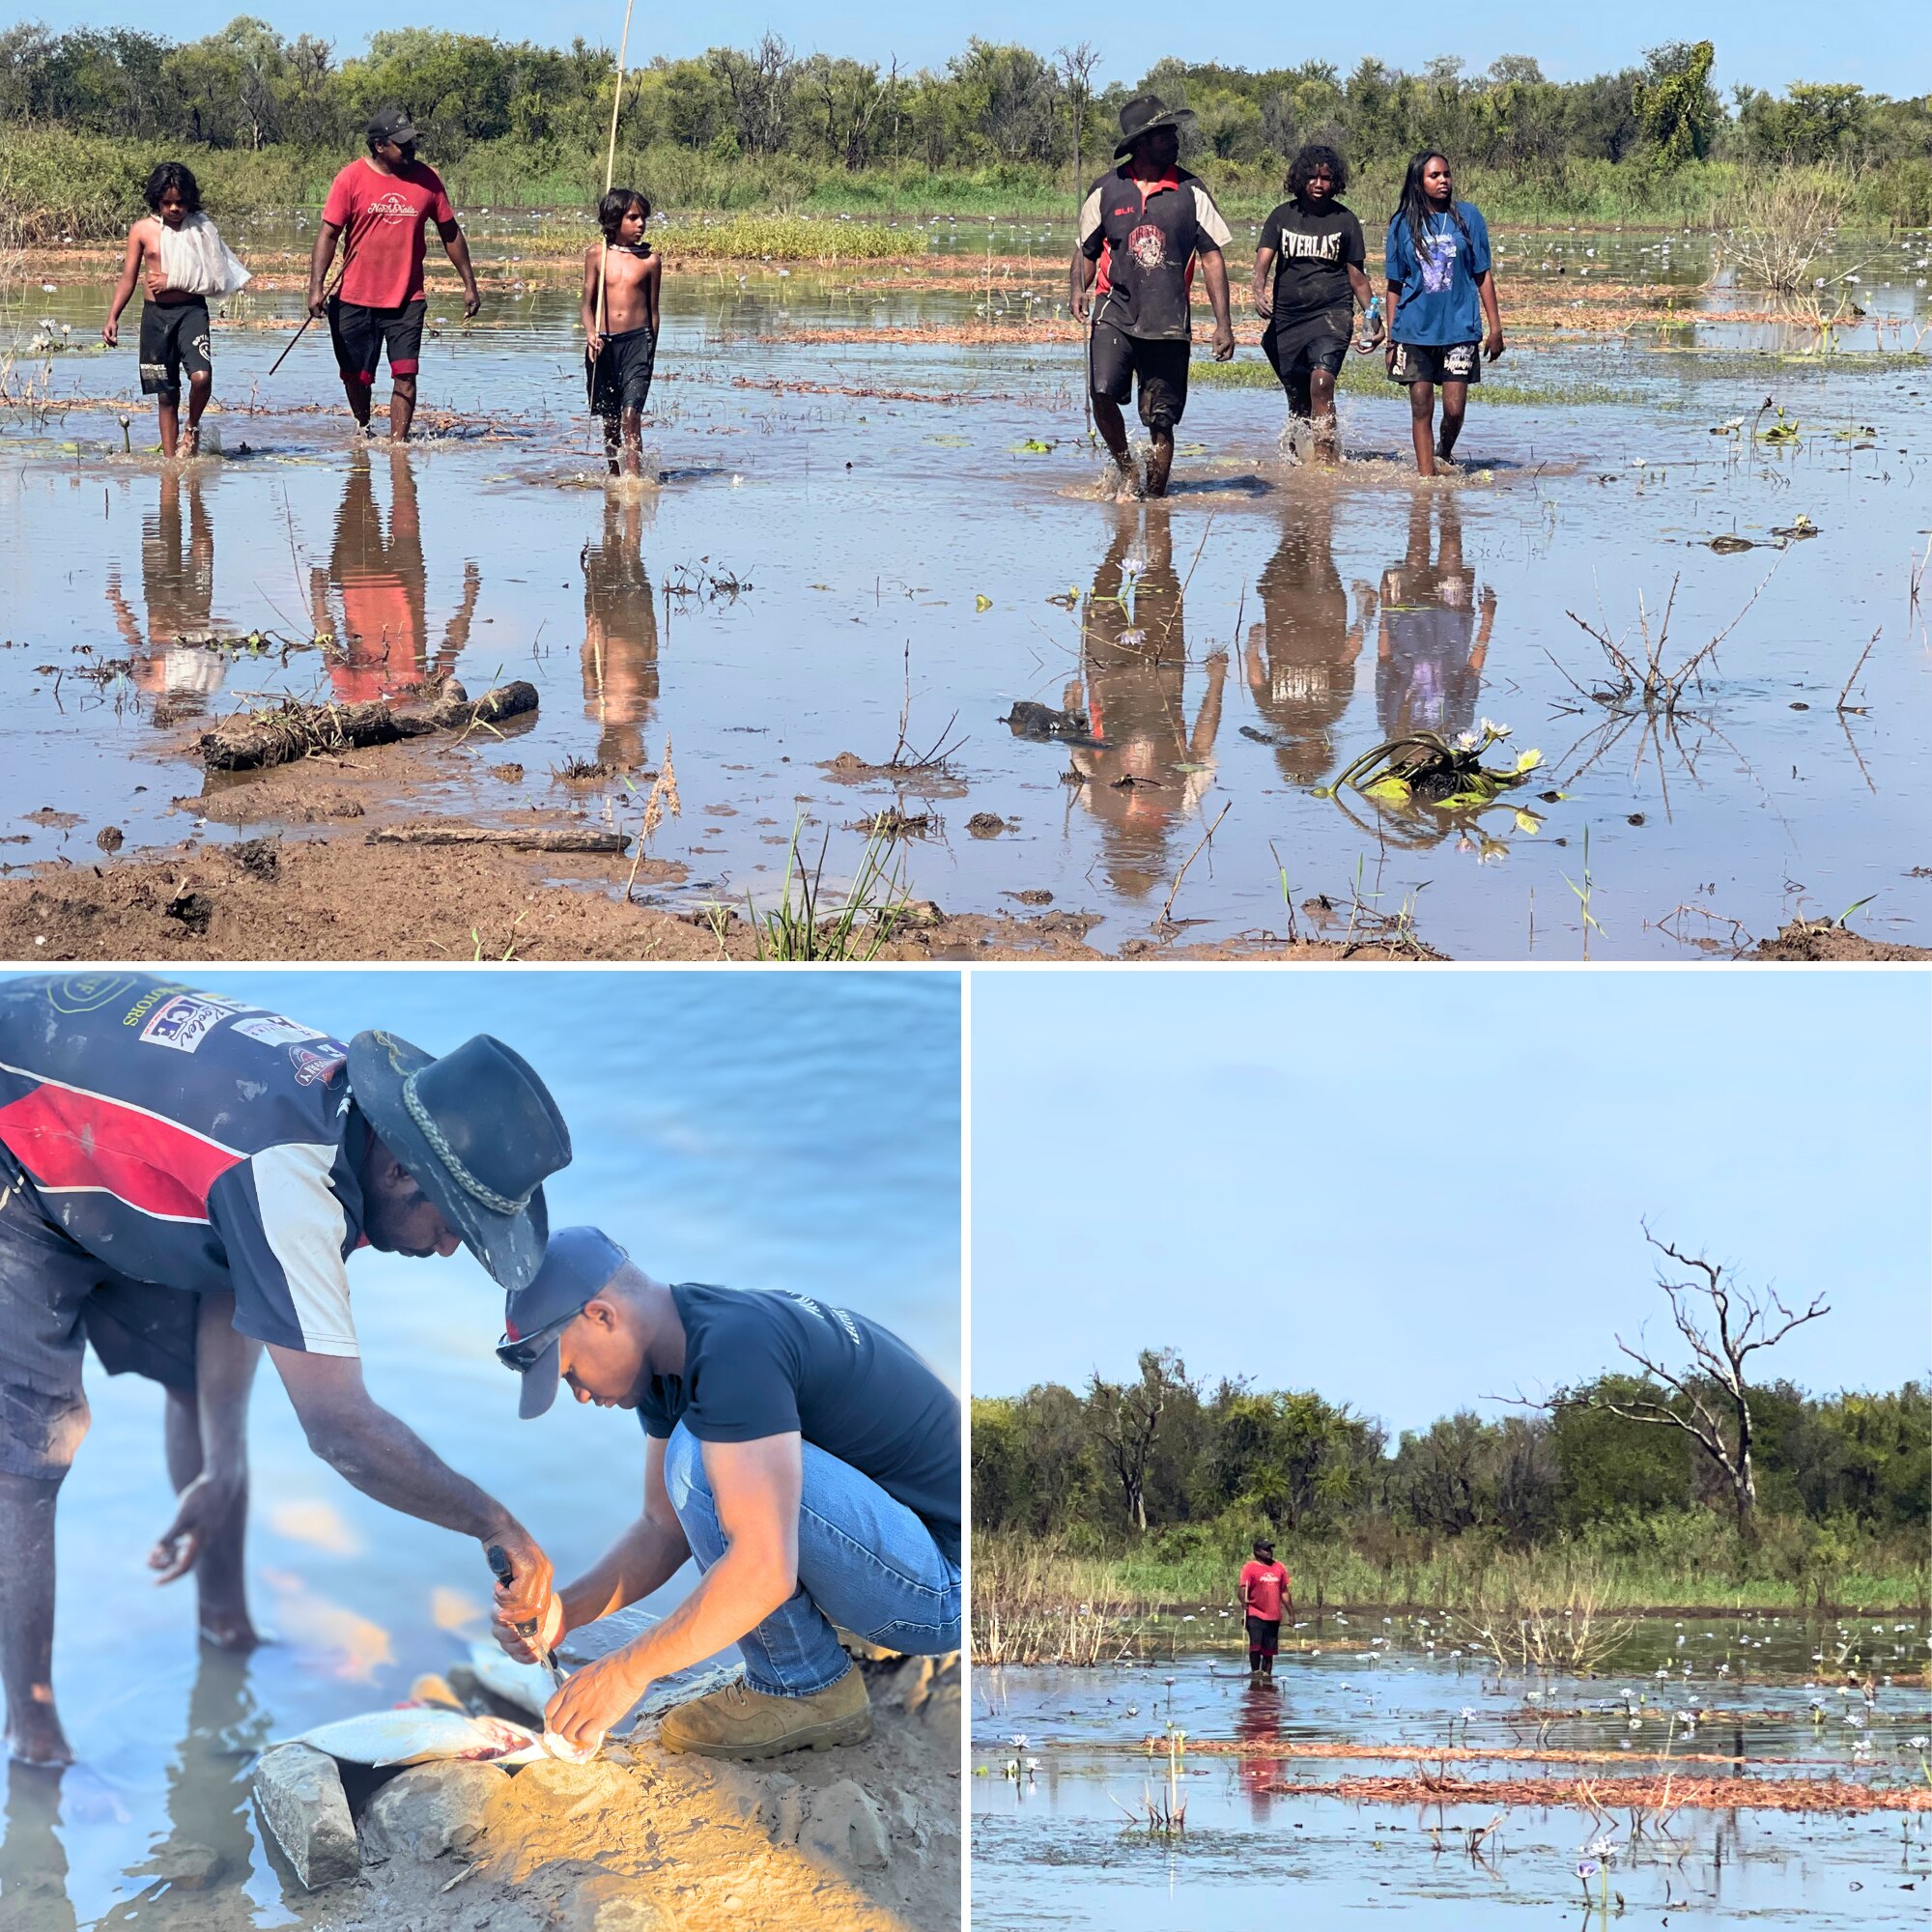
(253, 741)
(523, 837)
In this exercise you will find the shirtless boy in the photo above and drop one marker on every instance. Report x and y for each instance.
(621, 342)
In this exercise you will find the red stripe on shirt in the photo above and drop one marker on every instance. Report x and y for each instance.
(66, 1139)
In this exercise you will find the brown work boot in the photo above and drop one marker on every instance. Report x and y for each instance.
(740, 1722)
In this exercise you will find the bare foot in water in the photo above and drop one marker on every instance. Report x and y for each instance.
(229, 1629)
(40, 1741)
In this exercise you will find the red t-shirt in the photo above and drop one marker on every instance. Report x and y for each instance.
(381, 218)
(1261, 1588)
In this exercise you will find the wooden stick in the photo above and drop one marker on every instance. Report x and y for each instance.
(610, 152)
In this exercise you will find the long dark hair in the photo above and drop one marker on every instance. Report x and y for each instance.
(1413, 208)
(177, 175)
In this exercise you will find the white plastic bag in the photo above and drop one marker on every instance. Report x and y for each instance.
(196, 261)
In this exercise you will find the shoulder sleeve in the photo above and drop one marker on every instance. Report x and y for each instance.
(1479, 240)
(1395, 254)
(1354, 251)
(283, 1229)
(1208, 218)
(341, 202)
(1271, 234)
(1092, 240)
(440, 208)
(747, 1387)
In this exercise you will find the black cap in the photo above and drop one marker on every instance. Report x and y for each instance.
(391, 124)
(577, 1266)
(1142, 115)
(1262, 1543)
(476, 1130)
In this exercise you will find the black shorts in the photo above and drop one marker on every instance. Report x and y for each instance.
(1437, 362)
(1309, 342)
(1265, 1635)
(174, 336)
(55, 1298)
(1115, 359)
(620, 378)
(362, 335)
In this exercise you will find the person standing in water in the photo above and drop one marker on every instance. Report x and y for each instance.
(176, 250)
(382, 202)
(622, 281)
(1309, 275)
(1142, 229)
(1265, 1586)
(1443, 316)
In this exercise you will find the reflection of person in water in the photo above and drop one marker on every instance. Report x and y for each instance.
(1153, 769)
(1429, 659)
(621, 635)
(1256, 1725)
(178, 584)
(33, 1860)
(1302, 657)
(381, 589)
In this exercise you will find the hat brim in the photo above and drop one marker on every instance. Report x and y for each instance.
(510, 1246)
(540, 1380)
(1172, 118)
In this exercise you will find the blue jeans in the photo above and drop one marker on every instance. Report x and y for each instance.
(864, 1562)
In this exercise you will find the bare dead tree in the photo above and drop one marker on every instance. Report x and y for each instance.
(1077, 67)
(1723, 1325)
(1125, 1420)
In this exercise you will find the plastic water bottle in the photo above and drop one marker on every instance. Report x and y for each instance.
(1371, 320)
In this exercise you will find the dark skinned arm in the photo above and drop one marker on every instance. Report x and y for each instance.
(1494, 344)
(381, 1456)
(757, 1488)
(1080, 273)
(327, 234)
(1214, 272)
(124, 288)
(224, 1373)
(1263, 292)
(456, 245)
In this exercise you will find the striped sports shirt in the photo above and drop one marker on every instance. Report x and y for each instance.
(190, 1140)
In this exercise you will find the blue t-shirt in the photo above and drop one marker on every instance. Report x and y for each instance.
(1438, 304)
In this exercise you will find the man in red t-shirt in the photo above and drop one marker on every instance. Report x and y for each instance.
(1266, 1587)
(383, 202)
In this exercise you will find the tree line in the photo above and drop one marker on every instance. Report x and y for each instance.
(250, 87)
(1117, 1463)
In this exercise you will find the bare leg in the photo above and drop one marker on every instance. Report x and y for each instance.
(402, 405)
(219, 1576)
(613, 444)
(633, 441)
(1161, 460)
(1107, 419)
(34, 1734)
(200, 388)
(1422, 426)
(358, 391)
(167, 410)
(1321, 409)
(1455, 406)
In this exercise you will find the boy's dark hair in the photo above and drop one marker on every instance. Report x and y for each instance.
(1413, 208)
(619, 202)
(1315, 154)
(180, 177)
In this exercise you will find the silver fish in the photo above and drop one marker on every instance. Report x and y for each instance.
(418, 1734)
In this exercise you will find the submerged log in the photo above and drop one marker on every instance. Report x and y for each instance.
(254, 741)
(522, 837)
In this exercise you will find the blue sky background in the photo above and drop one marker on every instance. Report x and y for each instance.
(1766, 44)
(1412, 1189)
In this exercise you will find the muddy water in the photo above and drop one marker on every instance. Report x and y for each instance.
(739, 1133)
(1052, 1844)
(843, 522)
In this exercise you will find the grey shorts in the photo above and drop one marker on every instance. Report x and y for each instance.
(55, 1298)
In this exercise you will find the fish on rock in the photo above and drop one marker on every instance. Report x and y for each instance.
(420, 1734)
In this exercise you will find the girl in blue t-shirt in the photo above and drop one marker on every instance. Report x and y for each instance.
(1441, 292)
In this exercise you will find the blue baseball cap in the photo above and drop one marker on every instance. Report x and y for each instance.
(578, 1263)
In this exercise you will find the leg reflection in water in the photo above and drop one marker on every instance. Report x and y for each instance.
(1151, 769)
(621, 635)
(1436, 630)
(33, 1860)
(172, 664)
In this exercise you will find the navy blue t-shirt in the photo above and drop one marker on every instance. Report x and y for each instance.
(761, 1363)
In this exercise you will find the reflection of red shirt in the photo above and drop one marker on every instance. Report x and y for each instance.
(1261, 1587)
(382, 217)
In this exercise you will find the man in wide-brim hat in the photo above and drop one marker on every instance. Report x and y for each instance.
(182, 1177)
(1142, 229)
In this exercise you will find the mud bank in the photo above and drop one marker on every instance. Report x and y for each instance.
(864, 1838)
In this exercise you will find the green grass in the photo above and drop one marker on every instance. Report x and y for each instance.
(1366, 375)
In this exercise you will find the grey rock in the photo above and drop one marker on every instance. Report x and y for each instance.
(908, 1687)
(781, 1810)
(847, 1827)
(433, 1808)
(609, 1903)
(299, 1794)
(188, 1867)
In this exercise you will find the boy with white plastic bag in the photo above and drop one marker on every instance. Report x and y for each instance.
(181, 260)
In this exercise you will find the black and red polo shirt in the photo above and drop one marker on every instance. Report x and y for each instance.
(190, 1140)
(1144, 235)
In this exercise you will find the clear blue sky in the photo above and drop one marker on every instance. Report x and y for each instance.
(1767, 44)
(1407, 1189)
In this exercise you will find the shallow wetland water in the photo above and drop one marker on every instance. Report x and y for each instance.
(862, 522)
(1274, 1781)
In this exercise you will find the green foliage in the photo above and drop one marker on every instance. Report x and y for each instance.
(1677, 109)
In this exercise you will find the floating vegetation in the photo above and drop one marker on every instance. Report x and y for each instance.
(1425, 768)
